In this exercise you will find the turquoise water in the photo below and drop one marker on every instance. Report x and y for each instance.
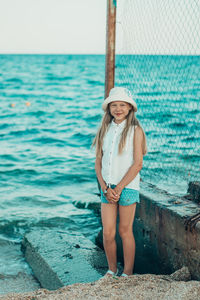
(46, 160)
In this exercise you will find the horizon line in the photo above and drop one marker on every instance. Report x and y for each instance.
(103, 54)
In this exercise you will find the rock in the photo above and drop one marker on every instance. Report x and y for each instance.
(95, 206)
(194, 191)
(182, 274)
(62, 258)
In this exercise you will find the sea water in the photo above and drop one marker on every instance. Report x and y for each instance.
(50, 112)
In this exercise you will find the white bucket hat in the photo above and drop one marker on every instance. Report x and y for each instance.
(119, 94)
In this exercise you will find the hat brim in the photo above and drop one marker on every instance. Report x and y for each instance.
(114, 98)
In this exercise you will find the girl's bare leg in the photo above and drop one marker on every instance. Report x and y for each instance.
(109, 216)
(126, 215)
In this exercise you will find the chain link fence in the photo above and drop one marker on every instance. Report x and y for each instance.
(158, 59)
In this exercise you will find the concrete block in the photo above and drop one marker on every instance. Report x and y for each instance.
(63, 258)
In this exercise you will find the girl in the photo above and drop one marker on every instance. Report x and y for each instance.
(120, 146)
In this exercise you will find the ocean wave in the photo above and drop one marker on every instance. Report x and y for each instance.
(9, 157)
(37, 113)
(17, 228)
(38, 200)
(14, 80)
(178, 125)
(192, 158)
(96, 82)
(59, 78)
(5, 125)
(62, 179)
(50, 141)
(27, 173)
(25, 132)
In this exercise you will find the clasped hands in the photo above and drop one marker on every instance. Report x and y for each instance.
(113, 195)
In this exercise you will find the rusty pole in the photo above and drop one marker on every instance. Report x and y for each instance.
(110, 46)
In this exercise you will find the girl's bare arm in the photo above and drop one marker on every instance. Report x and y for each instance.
(98, 167)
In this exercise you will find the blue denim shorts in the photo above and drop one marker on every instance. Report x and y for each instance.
(127, 197)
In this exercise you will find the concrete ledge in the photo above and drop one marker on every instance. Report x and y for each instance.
(62, 258)
(163, 245)
(161, 233)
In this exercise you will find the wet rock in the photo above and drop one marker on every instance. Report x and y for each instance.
(59, 258)
(95, 206)
(194, 191)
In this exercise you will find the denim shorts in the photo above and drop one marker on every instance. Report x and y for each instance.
(127, 197)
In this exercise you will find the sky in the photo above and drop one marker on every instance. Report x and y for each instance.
(52, 26)
(79, 26)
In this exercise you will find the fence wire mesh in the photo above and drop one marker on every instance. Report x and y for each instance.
(158, 59)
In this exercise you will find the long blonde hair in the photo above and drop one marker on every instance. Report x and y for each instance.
(106, 120)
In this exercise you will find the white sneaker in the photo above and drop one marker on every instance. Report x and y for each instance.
(124, 275)
(112, 273)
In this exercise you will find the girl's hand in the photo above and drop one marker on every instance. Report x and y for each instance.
(112, 196)
(118, 190)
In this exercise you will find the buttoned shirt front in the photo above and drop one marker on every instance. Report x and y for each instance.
(115, 165)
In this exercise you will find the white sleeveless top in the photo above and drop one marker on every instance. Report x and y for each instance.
(115, 165)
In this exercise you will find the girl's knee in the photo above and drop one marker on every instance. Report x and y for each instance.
(109, 235)
(125, 231)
